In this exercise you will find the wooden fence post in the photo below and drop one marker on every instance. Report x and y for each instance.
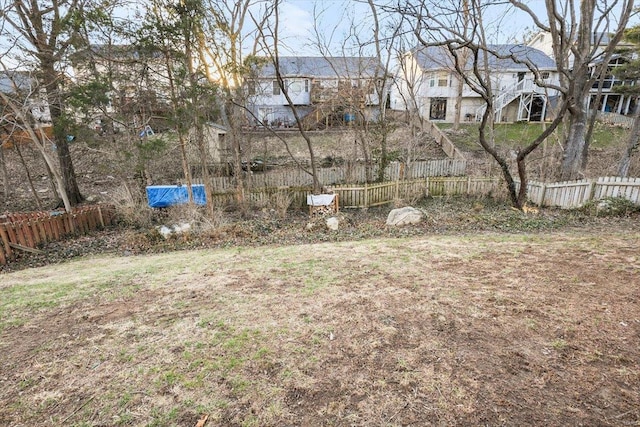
(5, 241)
(543, 193)
(366, 196)
(592, 190)
(100, 217)
(3, 258)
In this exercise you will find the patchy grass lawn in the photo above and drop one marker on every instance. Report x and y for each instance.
(515, 135)
(477, 329)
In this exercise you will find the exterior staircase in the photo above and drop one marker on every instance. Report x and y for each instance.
(525, 89)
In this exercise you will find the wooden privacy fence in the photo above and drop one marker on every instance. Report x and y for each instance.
(348, 173)
(27, 231)
(573, 194)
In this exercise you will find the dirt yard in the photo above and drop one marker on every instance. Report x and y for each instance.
(468, 329)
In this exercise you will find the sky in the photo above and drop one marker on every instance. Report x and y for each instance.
(334, 20)
(335, 16)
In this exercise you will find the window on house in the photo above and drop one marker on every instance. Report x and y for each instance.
(251, 88)
(544, 75)
(276, 88)
(306, 86)
(443, 80)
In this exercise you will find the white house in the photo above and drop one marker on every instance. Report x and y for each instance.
(323, 90)
(603, 88)
(140, 93)
(23, 87)
(426, 81)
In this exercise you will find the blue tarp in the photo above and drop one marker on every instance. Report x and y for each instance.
(162, 196)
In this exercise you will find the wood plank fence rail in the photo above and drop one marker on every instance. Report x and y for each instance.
(28, 231)
(348, 173)
(566, 195)
(573, 194)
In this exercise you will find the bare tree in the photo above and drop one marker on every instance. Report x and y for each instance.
(630, 73)
(384, 43)
(269, 41)
(583, 33)
(191, 26)
(175, 32)
(21, 119)
(222, 52)
(46, 33)
(470, 53)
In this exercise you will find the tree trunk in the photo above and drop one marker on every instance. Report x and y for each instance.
(458, 105)
(29, 177)
(5, 175)
(49, 79)
(574, 153)
(39, 144)
(384, 155)
(186, 170)
(197, 123)
(632, 145)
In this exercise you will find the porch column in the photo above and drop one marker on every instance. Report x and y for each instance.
(619, 104)
(626, 106)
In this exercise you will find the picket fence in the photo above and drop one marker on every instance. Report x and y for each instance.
(615, 119)
(348, 173)
(570, 194)
(361, 196)
(379, 194)
(573, 194)
(27, 231)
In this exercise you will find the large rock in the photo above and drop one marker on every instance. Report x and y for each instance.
(404, 216)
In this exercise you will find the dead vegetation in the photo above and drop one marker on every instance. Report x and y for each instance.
(478, 329)
(480, 315)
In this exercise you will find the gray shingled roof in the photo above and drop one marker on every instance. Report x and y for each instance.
(329, 67)
(438, 57)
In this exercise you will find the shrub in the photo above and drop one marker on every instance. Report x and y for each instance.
(196, 216)
(611, 206)
(131, 207)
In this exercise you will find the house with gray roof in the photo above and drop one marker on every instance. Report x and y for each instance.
(427, 82)
(604, 96)
(324, 91)
(23, 87)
